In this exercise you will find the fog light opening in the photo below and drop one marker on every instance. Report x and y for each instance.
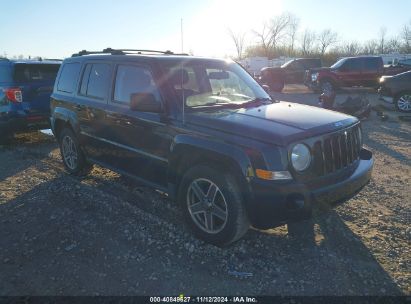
(295, 202)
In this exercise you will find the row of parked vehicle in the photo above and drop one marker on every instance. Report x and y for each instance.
(201, 130)
(367, 71)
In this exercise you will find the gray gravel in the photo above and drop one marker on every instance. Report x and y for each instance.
(106, 235)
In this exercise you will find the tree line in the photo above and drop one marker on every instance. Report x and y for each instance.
(282, 36)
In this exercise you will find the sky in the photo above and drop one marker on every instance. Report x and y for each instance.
(57, 29)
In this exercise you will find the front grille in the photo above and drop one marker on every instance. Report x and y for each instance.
(337, 151)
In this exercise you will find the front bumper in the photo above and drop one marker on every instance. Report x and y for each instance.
(276, 204)
(385, 95)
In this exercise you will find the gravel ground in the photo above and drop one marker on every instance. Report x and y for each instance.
(106, 235)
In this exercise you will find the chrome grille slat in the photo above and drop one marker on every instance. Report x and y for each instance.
(336, 151)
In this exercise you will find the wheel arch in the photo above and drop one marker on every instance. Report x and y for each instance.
(188, 151)
(61, 118)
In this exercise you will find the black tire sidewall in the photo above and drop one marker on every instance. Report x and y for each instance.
(80, 158)
(233, 198)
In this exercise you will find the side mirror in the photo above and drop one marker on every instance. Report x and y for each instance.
(144, 102)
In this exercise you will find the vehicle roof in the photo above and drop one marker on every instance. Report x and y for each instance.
(307, 59)
(29, 61)
(352, 57)
(144, 57)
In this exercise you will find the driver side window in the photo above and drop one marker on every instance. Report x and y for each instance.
(133, 79)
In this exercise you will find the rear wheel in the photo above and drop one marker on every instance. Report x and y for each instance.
(72, 155)
(213, 205)
(403, 102)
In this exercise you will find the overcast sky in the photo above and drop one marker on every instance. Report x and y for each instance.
(56, 29)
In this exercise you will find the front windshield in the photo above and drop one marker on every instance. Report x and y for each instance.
(287, 63)
(213, 83)
(338, 63)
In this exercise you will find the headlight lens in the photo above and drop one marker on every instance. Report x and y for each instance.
(314, 76)
(300, 157)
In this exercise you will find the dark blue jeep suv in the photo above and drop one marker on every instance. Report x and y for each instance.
(25, 88)
(206, 133)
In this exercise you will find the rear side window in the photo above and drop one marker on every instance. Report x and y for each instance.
(371, 64)
(96, 80)
(68, 77)
(352, 65)
(5, 73)
(35, 72)
(133, 79)
(312, 64)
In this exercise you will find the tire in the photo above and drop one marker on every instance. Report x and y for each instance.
(225, 210)
(72, 154)
(6, 138)
(277, 87)
(327, 86)
(403, 102)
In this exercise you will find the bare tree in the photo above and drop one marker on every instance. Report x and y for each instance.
(292, 32)
(239, 40)
(264, 37)
(381, 39)
(273, 32)
(351, 48)
(308, 41)
(406, 37)
(327, 38)
(370, 47)
(278, 28)
(393, 45)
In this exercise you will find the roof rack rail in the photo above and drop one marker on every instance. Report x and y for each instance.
(52, 59)
(124, 52)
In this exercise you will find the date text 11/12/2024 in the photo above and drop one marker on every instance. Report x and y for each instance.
(205, 299)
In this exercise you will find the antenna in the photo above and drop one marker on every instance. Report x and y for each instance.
(182, 73)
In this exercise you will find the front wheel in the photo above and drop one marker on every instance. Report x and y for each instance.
(403, 102)
(72, 155)
(213, 205)
(327, 87)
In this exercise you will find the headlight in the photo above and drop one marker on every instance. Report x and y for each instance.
(300, 157)
(314, 76)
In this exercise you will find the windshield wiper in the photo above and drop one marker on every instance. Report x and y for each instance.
(216, 103)
(258, 101)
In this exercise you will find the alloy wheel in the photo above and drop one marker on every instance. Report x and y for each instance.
(70, 154)
(404, 103)
(207, 205)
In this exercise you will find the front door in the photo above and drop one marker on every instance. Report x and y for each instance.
(141, 140)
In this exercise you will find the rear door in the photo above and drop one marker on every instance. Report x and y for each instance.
(371, 71)
(350, 73)
(36, 82)
(90, 106)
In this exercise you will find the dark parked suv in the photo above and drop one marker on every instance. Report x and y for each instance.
(25, 89)
(205, 132)
(292, 71)
(397, 90)
(346, 72)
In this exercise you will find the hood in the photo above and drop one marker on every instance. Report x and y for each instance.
(279, 123)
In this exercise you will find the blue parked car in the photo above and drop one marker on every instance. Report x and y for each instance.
(25, 89)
